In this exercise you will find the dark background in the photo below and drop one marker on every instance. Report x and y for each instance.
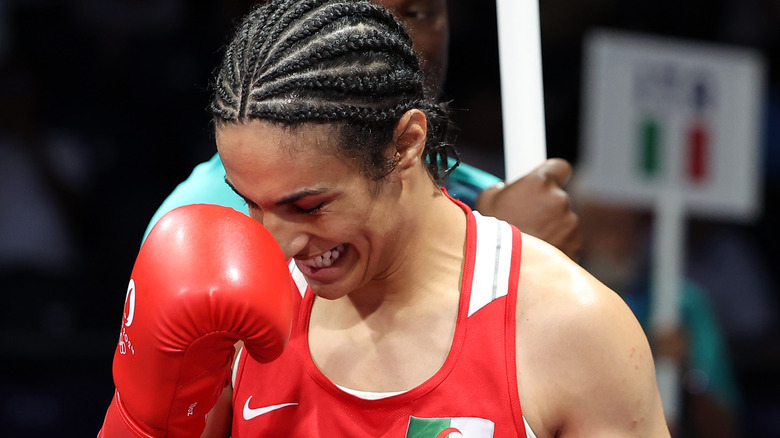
(103, 111)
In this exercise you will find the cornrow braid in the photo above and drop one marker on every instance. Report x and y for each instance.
(346, 62)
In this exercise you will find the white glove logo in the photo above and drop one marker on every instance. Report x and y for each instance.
(127, 319)
(129, 313)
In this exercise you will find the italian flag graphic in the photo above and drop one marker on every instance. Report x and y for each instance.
(466, 427)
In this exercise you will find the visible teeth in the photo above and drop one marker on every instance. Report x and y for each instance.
(327, 258)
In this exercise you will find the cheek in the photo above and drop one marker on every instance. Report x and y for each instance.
(431, 44)
(365, 226)
(433, 52)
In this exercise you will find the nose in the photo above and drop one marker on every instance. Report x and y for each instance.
(288, 234)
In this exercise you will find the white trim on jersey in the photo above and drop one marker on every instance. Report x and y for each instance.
(234, 371)
(298, 278)
(368, 395)
(528, 432)
(492, 262)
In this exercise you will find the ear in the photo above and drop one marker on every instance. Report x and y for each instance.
(409, 139)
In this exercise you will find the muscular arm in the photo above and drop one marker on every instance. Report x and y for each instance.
(584, 364)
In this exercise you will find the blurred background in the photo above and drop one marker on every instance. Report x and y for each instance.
(103, 112)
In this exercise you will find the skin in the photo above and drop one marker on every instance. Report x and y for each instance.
(586, 369)
(538, 205)
(377, 279)
(586, 366)
(427, 22)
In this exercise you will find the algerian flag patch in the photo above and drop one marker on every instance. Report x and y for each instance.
(466, 427)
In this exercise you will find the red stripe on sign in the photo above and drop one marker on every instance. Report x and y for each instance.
(697, 153)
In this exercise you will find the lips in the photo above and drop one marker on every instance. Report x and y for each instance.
(324, 260)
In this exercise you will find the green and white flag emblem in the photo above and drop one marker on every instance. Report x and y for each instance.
(466, 427)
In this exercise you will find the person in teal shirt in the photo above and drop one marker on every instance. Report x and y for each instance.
(536, 203)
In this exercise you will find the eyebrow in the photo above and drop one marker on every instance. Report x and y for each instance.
(284, 201)
(232, 187)
(300, 195)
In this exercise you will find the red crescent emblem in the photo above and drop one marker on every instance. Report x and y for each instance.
(446, 432)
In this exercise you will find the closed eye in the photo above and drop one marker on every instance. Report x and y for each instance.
(312, 210)
(248, 203)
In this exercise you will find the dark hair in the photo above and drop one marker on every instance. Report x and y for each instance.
(347, 62)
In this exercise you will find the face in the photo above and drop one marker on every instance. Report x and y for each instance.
(611, 236)
(321, 209)
(428, 25)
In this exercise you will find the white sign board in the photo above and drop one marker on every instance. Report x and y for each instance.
(675, 127)
(661, 114)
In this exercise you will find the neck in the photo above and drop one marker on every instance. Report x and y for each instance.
(397, 331)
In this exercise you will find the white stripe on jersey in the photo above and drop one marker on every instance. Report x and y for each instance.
(300, 280)
(492, 262)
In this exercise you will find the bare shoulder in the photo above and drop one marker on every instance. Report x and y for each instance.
(584, 363)
(552, 286)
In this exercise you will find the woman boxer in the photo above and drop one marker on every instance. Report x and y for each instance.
(412, 315)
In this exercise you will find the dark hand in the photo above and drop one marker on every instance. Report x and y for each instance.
(538, 205)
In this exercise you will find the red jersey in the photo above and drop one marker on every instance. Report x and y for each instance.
(473, 395)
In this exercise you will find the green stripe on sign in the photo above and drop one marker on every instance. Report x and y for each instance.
(650, 147)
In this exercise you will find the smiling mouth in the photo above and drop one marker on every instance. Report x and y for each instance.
(326, 259)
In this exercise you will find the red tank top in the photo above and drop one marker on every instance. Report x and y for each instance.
(473, 395)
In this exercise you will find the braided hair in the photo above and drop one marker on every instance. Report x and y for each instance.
(345, 62)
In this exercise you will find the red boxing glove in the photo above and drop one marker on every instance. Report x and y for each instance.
(206, 277)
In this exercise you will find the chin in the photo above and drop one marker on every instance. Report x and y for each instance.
(328, 292)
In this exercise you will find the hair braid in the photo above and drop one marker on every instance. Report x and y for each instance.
(347, 62)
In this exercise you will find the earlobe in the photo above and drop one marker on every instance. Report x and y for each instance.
(409, 138)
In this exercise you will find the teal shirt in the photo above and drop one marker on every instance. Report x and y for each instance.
(206, 185)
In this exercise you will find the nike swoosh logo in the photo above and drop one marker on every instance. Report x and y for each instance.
(250, 413)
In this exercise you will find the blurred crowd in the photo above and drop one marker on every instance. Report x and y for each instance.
(103, 111)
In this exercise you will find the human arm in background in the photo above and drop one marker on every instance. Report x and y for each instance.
(538, 205)
(711, 396)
